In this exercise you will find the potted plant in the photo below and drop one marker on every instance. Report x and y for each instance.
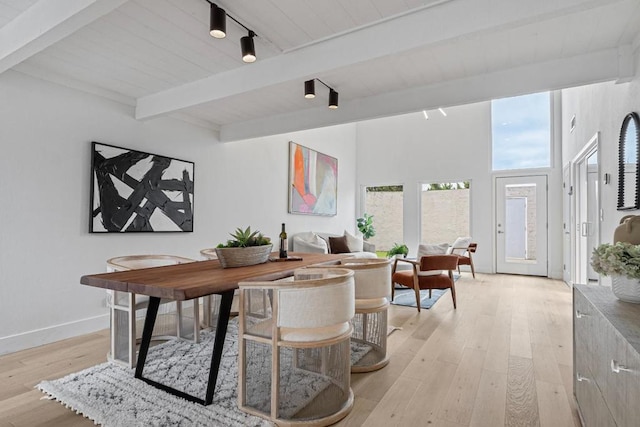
(398, 249)
(621, 261)
(246, 248)
(365, 225)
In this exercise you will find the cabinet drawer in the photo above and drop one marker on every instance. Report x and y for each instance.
(606, 347)
(584, 318)
(593, 409)
(606, 358)
(621, 391)
(632, 387)
(613, 357)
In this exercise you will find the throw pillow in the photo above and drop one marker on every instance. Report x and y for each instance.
(338, 245)
(355, 243)
(431, 249)
(314, 239)
(309, 242)
(460, 246)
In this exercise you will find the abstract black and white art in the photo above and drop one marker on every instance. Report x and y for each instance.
(133, 191)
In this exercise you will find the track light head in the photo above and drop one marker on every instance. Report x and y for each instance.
(218, 22)
(333, 99)
(310, 92)
(248, 48)
(310, 89)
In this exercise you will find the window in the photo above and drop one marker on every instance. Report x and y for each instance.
(520, 222)
(445, 211)
(521, 132)
(386, 205)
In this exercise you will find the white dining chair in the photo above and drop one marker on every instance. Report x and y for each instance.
(372, 296)
(211, 303)
(294, 349)
(126, 309)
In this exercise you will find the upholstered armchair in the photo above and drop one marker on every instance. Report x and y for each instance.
(429, 272)
(466, 258)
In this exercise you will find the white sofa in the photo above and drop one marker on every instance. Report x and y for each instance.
(318, 242)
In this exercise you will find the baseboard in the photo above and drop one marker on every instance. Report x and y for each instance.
(38, 337)
(555, 274)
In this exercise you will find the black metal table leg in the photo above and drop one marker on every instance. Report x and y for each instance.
(147, 333)
(218, 345)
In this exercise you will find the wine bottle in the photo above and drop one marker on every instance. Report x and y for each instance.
(283, 243)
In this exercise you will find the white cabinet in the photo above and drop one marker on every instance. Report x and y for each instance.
(606, 343)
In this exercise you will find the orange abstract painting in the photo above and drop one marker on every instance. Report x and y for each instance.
(313, 181)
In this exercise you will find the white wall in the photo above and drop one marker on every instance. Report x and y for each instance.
(45, 135)
(601, 108)
(253, 182)
(410, 150)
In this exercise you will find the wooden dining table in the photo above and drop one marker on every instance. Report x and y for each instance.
(193, 280)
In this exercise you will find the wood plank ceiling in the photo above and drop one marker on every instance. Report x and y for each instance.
(157, 55)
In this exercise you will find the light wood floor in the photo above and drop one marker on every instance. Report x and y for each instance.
(504, 357)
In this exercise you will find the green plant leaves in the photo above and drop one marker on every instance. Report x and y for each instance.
(398, 249)
(365, 225)
(245, 238)
(621, 258)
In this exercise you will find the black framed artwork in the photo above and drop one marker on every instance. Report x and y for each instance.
(134, 191)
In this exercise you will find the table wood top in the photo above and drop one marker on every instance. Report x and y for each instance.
(200, 278)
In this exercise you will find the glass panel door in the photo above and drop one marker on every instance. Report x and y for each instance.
(521, 227)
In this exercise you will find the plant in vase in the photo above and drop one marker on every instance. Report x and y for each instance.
(398, 249)
(246, 248)
(365, 226)
(621, 261)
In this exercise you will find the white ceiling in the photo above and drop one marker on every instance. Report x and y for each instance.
(384, 57)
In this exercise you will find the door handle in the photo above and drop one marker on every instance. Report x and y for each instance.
(500, 232)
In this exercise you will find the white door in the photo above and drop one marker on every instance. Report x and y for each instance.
(593, 204)
(521, 225)
(587, 214)
(567, 192)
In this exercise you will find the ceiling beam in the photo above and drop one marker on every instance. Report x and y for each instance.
(44, 24)
(426, 26)
(551, 75)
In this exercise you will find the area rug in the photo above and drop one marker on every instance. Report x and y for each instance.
(407, 297)
(108, 394)
(391, 329)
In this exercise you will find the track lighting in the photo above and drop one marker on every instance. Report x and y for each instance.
(310, 89)
(248, 48)
(310, 92)
(218, 22)
(333, 99)
(218, 29)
